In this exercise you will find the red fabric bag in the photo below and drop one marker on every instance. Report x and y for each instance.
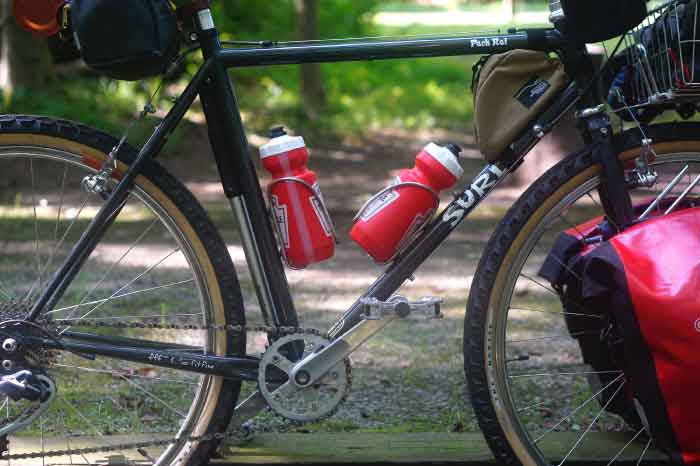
(645, 281)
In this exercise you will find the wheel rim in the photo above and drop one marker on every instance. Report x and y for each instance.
(507, 398)
(149, 275)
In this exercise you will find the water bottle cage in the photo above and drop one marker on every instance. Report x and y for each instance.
(406, 241)
(321, 211)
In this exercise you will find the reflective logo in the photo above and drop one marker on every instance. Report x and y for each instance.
(483, 183)
(697, 325)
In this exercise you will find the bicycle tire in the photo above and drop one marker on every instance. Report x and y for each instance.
(82, 143)
(484, 354)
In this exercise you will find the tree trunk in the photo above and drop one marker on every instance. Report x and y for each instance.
(24, 59)
(312, 90)
(564, 139)
(507, 8)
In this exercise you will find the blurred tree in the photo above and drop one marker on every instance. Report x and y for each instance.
(508, 8)
(312, 88)
(24, 59)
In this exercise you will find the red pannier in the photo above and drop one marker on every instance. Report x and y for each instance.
(645, 284)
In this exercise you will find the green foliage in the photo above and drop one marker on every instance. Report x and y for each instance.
(97, 102)
(362, 96)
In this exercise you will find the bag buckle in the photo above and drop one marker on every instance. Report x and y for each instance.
(64, 16)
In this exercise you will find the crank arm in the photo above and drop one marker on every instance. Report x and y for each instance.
(316, 365)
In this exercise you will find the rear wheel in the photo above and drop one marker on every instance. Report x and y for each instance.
(161, 263)
(529, 385)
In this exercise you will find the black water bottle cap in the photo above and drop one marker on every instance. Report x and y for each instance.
(454, 148)
(276, 131)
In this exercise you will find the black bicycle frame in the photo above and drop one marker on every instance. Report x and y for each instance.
(239, 179)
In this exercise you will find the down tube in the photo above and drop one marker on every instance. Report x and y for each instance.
(441, 227)
(436, 233)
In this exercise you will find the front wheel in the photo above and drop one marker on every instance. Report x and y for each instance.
(532, 392)
(161, 263)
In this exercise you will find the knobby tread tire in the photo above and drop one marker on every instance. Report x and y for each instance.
(214, 246)
(498, 246)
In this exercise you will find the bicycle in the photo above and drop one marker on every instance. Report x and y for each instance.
(304, 374)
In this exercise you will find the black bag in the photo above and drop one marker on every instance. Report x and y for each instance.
(126, 39)
(563, 267)
(642, 287)
(598, 20)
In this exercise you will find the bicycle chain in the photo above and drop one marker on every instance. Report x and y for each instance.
(230, 433)
(283, 330)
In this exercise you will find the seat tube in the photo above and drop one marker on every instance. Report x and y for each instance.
(240, 182)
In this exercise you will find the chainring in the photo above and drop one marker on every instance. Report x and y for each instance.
(313, 403)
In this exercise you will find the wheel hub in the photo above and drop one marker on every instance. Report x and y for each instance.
(317, 401)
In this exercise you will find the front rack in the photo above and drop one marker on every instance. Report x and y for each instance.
(660, 61)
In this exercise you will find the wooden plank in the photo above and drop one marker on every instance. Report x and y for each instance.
(408, 448)
(359, 449)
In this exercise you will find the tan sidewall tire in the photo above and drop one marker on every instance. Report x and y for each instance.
(500, 256)
(194, 224)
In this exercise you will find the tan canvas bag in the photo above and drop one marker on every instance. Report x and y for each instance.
(510, 90)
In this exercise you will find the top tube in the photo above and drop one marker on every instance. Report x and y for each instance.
(328, 51)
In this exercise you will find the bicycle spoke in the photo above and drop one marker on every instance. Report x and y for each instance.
(123, 295)
(134, 280)
(108, 318)
(576, 314)
(540, 403)
(43, 449)
(568, 269)
(539, 283)
(119, 261)
(646, 447)
(553, 337)
(600, 413)
(80, 415)
(581, 406)
(58, 219)
(573, 226)
(9, 295)
(63, 238)
(110, 372)
(625, 447)
(64, 428)
(557, 374)
(550, 290)
(60, 203)
(36, 224)
(49, 262)
(143, 390)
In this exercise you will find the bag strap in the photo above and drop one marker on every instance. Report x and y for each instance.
(476, 71)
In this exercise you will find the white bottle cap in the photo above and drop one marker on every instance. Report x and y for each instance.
(446, 158)
(281, 144)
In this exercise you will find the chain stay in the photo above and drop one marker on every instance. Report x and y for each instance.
(238, 434)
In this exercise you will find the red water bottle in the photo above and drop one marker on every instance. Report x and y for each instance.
(388, 221)
(304, 228)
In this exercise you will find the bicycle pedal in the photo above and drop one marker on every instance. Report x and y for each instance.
(428, 307)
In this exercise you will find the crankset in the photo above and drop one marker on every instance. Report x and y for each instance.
(302, 404)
